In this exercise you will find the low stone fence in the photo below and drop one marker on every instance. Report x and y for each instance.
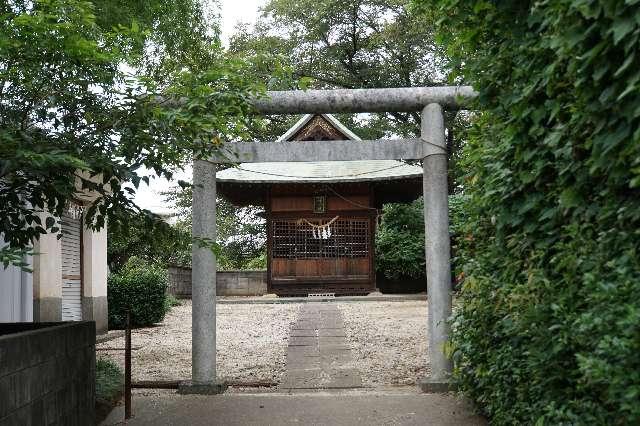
(228, 283)
(47, 373)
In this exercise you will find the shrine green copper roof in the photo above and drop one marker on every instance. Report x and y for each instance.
(319, 171)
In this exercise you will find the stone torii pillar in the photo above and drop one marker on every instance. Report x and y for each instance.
(203, 284)
(437, 248)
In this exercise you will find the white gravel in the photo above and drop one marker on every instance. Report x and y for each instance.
(251, 344)
(388, 341)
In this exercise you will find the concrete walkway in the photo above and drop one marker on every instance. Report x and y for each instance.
(318, 356)
(319, 408)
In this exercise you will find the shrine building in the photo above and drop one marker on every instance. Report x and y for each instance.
(321, 216)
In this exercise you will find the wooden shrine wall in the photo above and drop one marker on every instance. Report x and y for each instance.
(303, 260)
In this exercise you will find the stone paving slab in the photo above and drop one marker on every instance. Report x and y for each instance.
(345, 379)
(331, 340)
(329, 349)
(325, 324)
(330, 332)
(303, 341)
(301, 364)
(306, 332)
(340, 357)
(302, 378)
(307, 325)
(322, 378)
(318, 356)
(307, 352)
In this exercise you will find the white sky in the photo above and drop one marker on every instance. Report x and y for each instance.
(232, 12)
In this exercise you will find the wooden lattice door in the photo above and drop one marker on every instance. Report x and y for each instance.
(339, 252)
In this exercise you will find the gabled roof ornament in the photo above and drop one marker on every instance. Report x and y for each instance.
(307, 120)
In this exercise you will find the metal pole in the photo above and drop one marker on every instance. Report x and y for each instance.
(203, 318)
(437, 244)
(127, 368)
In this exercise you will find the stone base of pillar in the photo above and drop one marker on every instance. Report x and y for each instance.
(187, 387)
(431, 385)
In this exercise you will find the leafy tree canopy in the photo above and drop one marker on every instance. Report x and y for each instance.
(175, 34)
(241, 232)
(157, 242)
(72, 117)
(359, 44)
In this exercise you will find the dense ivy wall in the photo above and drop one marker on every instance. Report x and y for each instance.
(549, 328)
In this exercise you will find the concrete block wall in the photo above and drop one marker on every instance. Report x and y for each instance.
(47, 373)
(228, 283)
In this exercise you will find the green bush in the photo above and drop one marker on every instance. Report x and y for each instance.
(548, 331)
(400, 238)
(140, 287)
(258, 262)
(400, 242)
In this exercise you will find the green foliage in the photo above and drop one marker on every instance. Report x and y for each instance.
(241, 242)
(171, 302)
(141, 288)
(461, 236)
(73, 117)
(548, 331)
(109, 380)
(400, 241)
(258, 262)
(241, 235)
(173, 34)
(338, 44)
(149, 238)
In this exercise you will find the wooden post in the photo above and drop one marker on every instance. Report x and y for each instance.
(127, 368)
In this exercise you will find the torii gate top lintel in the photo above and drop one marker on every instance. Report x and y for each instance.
(400, 99)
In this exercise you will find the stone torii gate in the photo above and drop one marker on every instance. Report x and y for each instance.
(430, 148)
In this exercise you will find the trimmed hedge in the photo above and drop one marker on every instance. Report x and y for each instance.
(548, 331)
(141, 287)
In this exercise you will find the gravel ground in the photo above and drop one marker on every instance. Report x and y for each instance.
(251, 344)
(388, 341)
